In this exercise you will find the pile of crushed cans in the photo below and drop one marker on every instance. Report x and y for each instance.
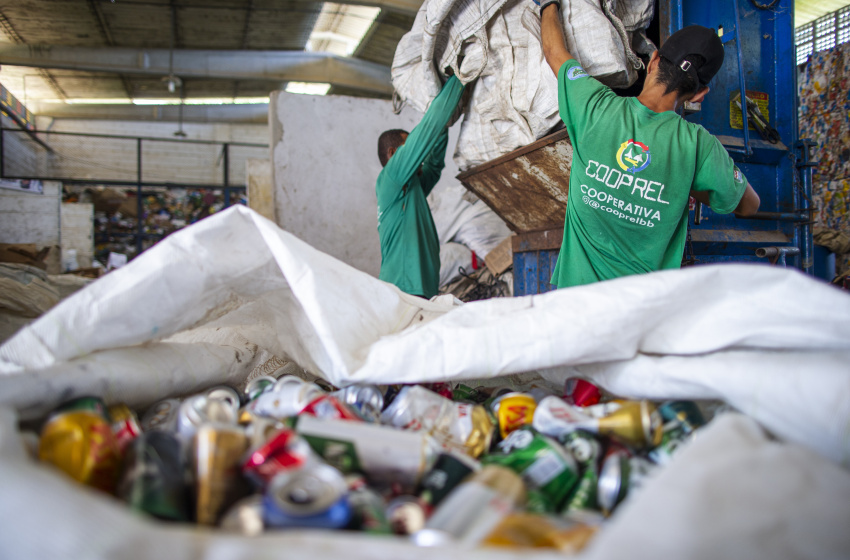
(442, 464)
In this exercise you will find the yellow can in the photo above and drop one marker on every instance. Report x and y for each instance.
(514, 410)
(81, 444)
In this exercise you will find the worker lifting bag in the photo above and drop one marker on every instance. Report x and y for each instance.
(212, 301)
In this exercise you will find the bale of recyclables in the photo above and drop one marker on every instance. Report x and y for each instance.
(214, 302)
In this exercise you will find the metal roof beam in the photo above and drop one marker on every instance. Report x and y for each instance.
(290, 66)
(254, 113)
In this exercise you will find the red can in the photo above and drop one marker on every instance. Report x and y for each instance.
(330, 407)
(282, 452)
(579, 392)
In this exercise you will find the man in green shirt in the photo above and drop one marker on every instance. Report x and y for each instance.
(410, 249)
(636, 162)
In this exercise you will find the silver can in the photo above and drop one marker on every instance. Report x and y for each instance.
(161, 416)
(226, 395)
(198, 410)
(307, 491)
(366, 399)
(621, 475)
(257, 387)
(286, 400)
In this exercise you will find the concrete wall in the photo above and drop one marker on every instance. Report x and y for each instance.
(162, 161)
(260, 190)
(77, 231)
(324, 166)
(22, 156)
(33, 218)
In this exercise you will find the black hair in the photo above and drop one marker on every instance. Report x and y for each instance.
(388, 140)
(676, 79)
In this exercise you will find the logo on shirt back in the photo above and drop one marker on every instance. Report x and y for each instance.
(739, 177)
(633, 156)
(576, 72)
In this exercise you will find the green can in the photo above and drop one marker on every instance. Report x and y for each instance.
(87, 403)
(544, 465)
(672, 438)
(586, 450)
(469, 394)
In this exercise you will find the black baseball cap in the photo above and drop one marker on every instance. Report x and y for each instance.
(691, 40)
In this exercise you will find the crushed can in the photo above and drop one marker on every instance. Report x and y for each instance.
(218, 449)
(285, 399)
(620, 475)
(257, 387)
(449, 470)
(473, 509)
(579, 392)
(81, 444)
(513, 410)
(125, 425)
(155, 477)
(161, 416)
(328, 406)
(313, 497)
(367, 400)
(545, 466)
(286, 450)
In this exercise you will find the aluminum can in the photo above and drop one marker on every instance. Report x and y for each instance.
(620, 475)
(406, 514)
(154, 477)
(288, 379)
(285, 451)
(287, 399)
(227, 395)
(385, 455)
(474, 508)
(245, 517)
(636, 423)
(448, 471)
(459, 426)
(199, 410)
(81, 444)
(161, 416)
(257, 387)
(579, 392)
(529, 530)
(327, 406)
(468, 394)
(684, 413)
(441, 388)
(367, 400)
(368, 510)
(672, 438)
(312, 497)
(125, 425)
(602, 410)
(546, 467)
(513, 410)
(555, 418)
(87, 403)
(586, 450)
(218, 450)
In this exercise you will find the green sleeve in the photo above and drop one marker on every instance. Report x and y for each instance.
(426, 136)
(433, 165)
(580, 98)
(718, 175)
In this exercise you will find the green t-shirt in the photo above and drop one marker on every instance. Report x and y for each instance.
(410, 248)
(631, 177)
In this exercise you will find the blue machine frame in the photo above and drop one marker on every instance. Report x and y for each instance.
(759, 42)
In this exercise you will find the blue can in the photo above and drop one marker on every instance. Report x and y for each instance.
(315, 496)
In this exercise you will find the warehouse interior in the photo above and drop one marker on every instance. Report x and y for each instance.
(188, 207)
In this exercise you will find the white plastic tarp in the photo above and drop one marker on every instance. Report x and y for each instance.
(211, 301)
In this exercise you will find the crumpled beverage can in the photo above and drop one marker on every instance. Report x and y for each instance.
(328, 406)
(367, 400)
(154, 477)
(286, 399)
(81, 443)
(245, 517)
(579, 392)
(513, 410)
(199, 410)
(218, 449)
(161, 416)
(125, 425)
(257, 387)
(312, 497)
(460, 426)
(474, 508)
(285, 451)
(543, 464)
(226, 395)
(620, 475)
(449, 470)
(555, 418)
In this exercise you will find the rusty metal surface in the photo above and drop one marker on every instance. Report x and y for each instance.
(738, 236)
(547, 240)
(528, 187)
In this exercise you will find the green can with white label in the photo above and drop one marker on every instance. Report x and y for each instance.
(548, 470)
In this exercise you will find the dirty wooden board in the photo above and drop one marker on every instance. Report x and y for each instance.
(528, 187)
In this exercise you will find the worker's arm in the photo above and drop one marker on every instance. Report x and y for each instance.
(433, 165)
(426, 135)
(747, 207)
(554, 45)
(749, 204)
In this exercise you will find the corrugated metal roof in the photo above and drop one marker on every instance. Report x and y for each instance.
(810, 10)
